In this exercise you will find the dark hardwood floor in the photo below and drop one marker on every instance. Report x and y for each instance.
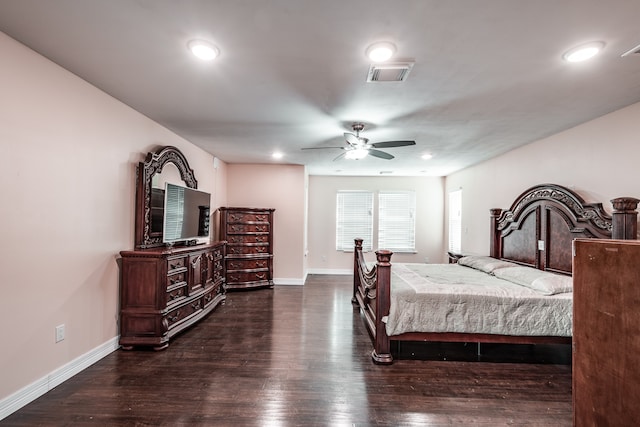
(299, 356)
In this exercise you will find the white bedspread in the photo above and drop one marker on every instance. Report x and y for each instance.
(454, 298)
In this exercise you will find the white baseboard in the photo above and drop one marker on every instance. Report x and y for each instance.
(28, 394)
(329, 271)
(285, 281)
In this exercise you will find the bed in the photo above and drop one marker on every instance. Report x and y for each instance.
(519, 294)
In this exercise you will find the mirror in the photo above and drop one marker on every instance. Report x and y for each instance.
(151, 176)
(168, 174)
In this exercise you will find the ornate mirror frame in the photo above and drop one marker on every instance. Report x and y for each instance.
(153, 164)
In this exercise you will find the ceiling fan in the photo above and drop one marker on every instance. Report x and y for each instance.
(358, 147)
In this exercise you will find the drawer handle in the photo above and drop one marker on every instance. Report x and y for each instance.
(174, 318)
(261, 276)
(196, 305)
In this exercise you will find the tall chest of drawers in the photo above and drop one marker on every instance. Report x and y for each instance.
(166, 290)
(249, 256)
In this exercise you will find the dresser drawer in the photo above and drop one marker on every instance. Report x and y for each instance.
(250, 276)
(179, 314)
(176, 264)
(257, 249)
(248, 217)
(176, 294)
(176, 279)
(248, 238)
(218, 271)
(247, 228)
(217, 254)
(247, 264)
(211, 294)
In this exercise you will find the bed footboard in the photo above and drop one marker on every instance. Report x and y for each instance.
(371, 291)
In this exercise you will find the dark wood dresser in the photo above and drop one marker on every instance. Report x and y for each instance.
(249, 255)
(164, 290)
(606, 332)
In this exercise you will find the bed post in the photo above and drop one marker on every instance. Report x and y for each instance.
(382, 347)
(494, 242)
(356, 276)
(624, 218)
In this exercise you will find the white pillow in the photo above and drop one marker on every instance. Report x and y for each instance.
(484, 263)
(540, 281)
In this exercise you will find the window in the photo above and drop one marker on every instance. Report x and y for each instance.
(354, 219)
(396, 221)
(455, 221)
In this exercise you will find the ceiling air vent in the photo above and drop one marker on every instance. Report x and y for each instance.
(389, 72)
(634, 51)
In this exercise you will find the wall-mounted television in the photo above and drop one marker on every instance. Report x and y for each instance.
(186, 214)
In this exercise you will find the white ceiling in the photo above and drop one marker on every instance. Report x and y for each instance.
(488, 75)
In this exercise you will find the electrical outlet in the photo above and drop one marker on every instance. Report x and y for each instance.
(59, 333)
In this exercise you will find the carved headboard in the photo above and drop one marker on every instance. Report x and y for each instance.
(540, 226)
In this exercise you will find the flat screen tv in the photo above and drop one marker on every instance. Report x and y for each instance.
(186, 214)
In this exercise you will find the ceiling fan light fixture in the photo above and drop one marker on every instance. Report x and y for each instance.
(380, 51)
(583, 52)
(203, 50)
(356, 154)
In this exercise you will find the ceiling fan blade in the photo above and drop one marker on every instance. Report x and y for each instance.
(390, 144)
(318, 148)
(340, 156)
(380, 154)
(351, 138)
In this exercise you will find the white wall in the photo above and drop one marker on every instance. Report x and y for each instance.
(281, 187)
(68, 155)
(323, 256)
(599, 160)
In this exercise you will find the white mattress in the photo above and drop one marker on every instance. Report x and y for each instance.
(454, 298)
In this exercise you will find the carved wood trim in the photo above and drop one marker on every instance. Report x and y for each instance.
(153, 163)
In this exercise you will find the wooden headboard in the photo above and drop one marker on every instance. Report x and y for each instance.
(539, 228)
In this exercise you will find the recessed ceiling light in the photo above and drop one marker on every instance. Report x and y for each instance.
(583, 52)
(381, 51)
(203, 50)
(427, 156)
(277, 155)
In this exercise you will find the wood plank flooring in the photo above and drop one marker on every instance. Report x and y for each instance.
(299, 356)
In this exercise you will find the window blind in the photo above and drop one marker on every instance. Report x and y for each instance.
(396, 221)
(354, 219)
(455, 221)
